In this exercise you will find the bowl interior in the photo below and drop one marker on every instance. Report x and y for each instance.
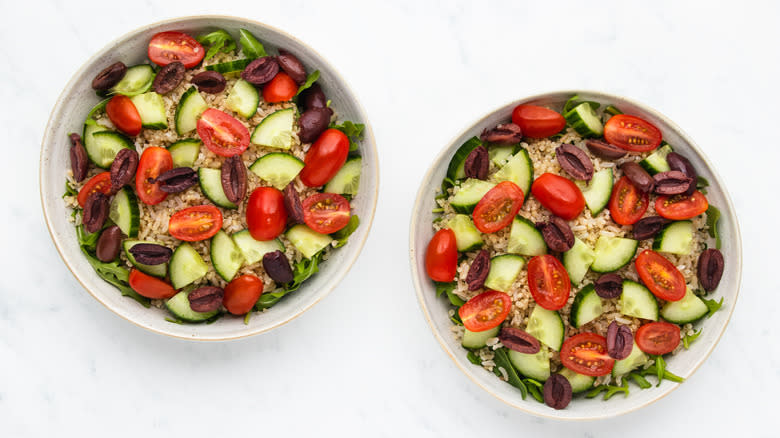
(683, 364)
(69, 114)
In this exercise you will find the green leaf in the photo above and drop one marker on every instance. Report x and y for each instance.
(713, 216)
(310, 80)
(69, 191)
(174, 320)
(247, 317)
(353, 131)
(660, 368)
(639, 380)
(302, 271)
(219, 40)
(87, 241)
(610, 390)
(502, 360)
(437, 210)
(473, 358)
(455, 318)
(687, 340)
(712, 306)
(115, 275)
(251, 47)
(611, 109)
(341, 236)
(534, 391)
(701, 182)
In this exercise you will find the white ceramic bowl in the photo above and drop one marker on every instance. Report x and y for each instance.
(68, 116)
(683, 364)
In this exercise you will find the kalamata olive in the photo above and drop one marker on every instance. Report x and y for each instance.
(109, 77)
(123, 168)
(648, 227)
(574, 161)
(605, 150)
(557, 234)
(506, 133)
(620, 341)
(313, 97)
(234, 179)
(261, 70)
(292, 203)
(206, 298)
(609, 286)
(277, 267)
(292, 66)
(519, 340)
(95, 212)
(79, 163)
(211, 82)
(557, 391)
(710, 268)
(672, 182)
(680, 163)
(638, 176)
(477, 163)
(108, 244)
(478, 271)
(313, 123)
(169, 77)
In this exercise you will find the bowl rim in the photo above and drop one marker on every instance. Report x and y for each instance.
(369, 141)
(417, 276)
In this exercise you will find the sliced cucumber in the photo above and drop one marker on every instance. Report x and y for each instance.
(467, 236)
(525, 239)
(637, 301)
(124, 212)
(137, 80)
(586, 307)
(456, 170)
(156, 270)
(612, 253)
(91, 127)
(307, 241)
(254, 250)
(656, 162)
(598, 191)
(185, 152)
(500, 154)
(469, 194)
(225, 255)
(504, 269)
(635, 359)
(104, 145)
(186, 266)
(546, 326)
(151, 108)
(675, 238)
(689, 309)
(191, 106)
(277, 168)
(276, 130)
(519, 169)
(579, 382)
(179, 306)
(229, 66)
(583, 119)
(210, 181)
(243, 99)
(478, 339)
(577, 260)
(535, 366)
(347, 180)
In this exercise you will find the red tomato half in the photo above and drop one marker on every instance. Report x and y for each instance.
(124, 115)
(282, 88)
(98, 183)
(326, 212)
(660, 276)
(485, 311)
(498, 207)
(154, 161)
(150, 287)
(325, 158)
(586, 353)
(631, 133)
(242, 293)
(537, 121)
(658, 337)
(441, 257)
(559, 195)
(266, 214)
(681, 207)
(222, 133)
(628, 203)
(549, 282)
(167, 47)
(196, 223)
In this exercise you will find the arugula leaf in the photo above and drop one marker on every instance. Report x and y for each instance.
(218, 41)
(534, 390)
(687, 340)
(473, 358)
(712, 306)
(713, 215)
(610, 390)
(301, 272)
(666, 374)
(115, 275)
(174, 320)
(639, 380)
(69, 191)
(455, 318)
(353, 131)
(437, 210)
(341, 236)
(701, 182)
(502, 360)
(448, 288)
(612, 109)
(251, 47)
(660, 368)
(246, 318)
(87, 241)
(310, 80)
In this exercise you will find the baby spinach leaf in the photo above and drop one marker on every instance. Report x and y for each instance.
(473, 358)
(341, 236)
(712, 306)
(310, 80)
(218, 41)
(701, 182)
(713, 216)
(251, 47)
(502, 360)
(115, 275)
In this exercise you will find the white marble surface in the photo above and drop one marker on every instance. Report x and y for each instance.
(363, 362)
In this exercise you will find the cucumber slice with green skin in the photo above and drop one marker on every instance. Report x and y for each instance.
(191, 106)
(635, 359)
(469, 195)
(536, 366)
(275, 130)
(504, 269)
(243, 99)
(675, 238)
(478, 339)
(104, 145)
(612, 253)
(229, 67)
(91, 127)
(467, 236)
(151, 108)
(179, 306)
(225, 255)
(525, 239)
(347, 180)
(583, 119)
(656, 162)
(689, 309)
(185, 152)
(254, 250)
(137, 80)
(456, 169)
(500, 154)
(250, 46)
(586, 307)
(307, 241)
(210, 181)
(579, 382)
(277, 168)
(519, 169)
(186, 266)
(578, 260)
(124, 212)
(546, 326)
(636, 300)
(598, 191)
(155, 270)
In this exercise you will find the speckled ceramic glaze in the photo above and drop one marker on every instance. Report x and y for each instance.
(68, 116)
(683, 364)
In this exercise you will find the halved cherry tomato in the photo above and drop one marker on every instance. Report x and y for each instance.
(196, 223)
(242, 293)
(681, 207)
(559, 195)
(150, 287)
(265, 213)
(498, 207)
(586, 353)
(660, 276)
(98, 183)
(154, 161)
(549, 282)
(326, 212)
(282, 88)
(628, 203)
(537, 121)
(222, 133)
(124, 115)
(441, 257)
(658, 337)
(631, 133)
(325, 158)
(167, 47)
(485, 311)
